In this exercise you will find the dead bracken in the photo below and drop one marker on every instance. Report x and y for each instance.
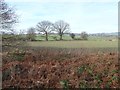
(92, 70)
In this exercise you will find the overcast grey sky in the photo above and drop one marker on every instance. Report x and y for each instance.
(88, 15)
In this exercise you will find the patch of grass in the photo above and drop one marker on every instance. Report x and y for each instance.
(75, 44)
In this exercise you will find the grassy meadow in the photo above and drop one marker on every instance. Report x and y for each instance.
(68, 42)
(75, 44)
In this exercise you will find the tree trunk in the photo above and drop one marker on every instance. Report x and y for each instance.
(61, 37)
(46, 36)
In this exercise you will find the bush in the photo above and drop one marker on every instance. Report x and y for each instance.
(72, 35)
(13, 40)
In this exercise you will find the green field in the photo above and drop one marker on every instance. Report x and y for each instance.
(67, 37)
(75, 44)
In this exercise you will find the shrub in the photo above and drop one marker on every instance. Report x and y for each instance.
(72, 35)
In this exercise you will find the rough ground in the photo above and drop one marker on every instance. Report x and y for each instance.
(48, 69)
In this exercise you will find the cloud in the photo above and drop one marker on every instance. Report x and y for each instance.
(90, 17)
(51, 12)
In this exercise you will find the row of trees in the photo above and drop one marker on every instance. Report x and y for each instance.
(60, 27)
(46, 27)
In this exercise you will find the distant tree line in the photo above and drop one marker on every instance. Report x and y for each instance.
(60, 27)
(46, 27)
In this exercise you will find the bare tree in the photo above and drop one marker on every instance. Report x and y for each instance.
(61, 27)
(7, 16)
(31, 33)
(45, 27)
(84, 35)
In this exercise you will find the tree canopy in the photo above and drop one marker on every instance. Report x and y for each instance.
(8, 16)
(44, 27)
(61, 27)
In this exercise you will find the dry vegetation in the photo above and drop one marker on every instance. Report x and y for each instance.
(59, 68)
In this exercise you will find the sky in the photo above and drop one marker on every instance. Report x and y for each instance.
(92, 16)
